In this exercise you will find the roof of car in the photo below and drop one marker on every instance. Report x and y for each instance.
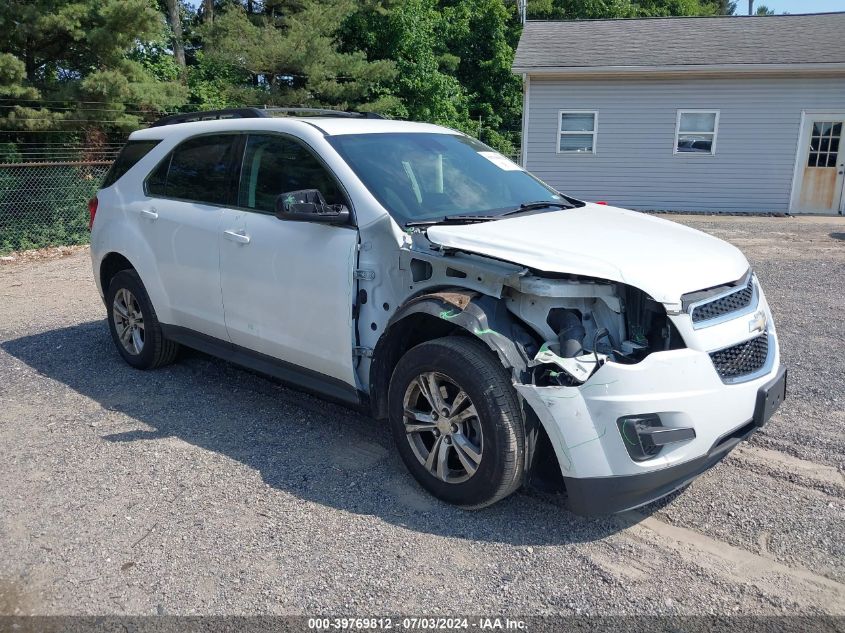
(330, 126)
(724, 41)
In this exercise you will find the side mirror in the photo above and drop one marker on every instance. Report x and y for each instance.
(308, 205)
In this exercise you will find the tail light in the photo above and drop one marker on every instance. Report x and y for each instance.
(92, 211)
(602, 202)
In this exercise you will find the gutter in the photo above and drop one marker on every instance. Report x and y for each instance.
(683, 69)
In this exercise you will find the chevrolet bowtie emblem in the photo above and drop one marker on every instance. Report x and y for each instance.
(758, 322)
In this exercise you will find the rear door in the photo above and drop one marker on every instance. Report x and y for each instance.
(181, 221)
(288, 286)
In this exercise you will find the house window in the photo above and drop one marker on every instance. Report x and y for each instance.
(695, 132)
(577, 131)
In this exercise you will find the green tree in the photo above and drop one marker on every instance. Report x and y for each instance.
(603, 9)
(666, 8)
(290, 56)
(81, 52)
(410, 34)
(480, 38)
(579, 9)
(722, 7)
(13, 78)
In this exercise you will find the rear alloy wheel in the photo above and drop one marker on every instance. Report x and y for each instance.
(133, 324)
(128, 321)
(456, 421)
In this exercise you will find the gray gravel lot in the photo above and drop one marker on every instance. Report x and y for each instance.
(203, 488)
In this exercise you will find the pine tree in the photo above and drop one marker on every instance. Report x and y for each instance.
(289, 52)
(79, 53)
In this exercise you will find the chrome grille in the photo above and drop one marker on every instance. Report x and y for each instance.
(725, 305)
(742, 359)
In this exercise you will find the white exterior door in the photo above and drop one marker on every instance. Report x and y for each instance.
(287, 286)
(181, 222)
(820, 172)
(183, 239)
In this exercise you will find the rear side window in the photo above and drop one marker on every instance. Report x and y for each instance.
(131, 153)
(200, 169)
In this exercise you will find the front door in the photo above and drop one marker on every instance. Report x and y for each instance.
(821, 170)
(288, 286)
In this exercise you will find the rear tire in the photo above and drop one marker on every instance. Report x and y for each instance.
(133, 324)
(457, 423)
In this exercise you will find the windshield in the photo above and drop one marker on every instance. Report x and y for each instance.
(421, 176)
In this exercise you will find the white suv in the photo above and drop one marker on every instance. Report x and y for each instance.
(509, 333)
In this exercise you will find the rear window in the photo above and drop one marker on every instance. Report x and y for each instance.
(131, 153)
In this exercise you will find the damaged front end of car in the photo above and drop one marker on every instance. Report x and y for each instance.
(584, 353)
(584, 323)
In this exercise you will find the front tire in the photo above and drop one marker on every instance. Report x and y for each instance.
(456, 420)
(134, 326)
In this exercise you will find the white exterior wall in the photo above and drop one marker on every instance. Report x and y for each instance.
(635, 165)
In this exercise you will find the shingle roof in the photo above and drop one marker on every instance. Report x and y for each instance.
(667, 42)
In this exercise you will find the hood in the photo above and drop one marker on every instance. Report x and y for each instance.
(662, 258)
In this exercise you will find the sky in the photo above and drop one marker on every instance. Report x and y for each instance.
(795, 6)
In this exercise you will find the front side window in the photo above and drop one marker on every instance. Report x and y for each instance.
(577, 132)
(273, 165)
(695, 132)
(200, 170)
(424, 176)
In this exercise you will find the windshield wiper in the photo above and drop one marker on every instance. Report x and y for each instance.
(539, 204)
(468, 219)
(453, 219)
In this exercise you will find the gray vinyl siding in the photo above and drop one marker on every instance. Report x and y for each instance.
(635, 166)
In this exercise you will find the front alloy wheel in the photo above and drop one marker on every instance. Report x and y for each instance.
(456, 421)
(442, 427)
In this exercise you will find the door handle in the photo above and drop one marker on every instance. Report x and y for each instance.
(150, 214)
(234, 236)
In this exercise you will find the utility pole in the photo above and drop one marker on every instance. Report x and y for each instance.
(750, 7)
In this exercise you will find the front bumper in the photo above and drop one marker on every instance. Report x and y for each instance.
(608, 495)
(683, 388)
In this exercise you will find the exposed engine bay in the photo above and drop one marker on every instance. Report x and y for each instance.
(586, 323)
(550, 329)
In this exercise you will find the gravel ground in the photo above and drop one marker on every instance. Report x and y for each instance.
(202, 488)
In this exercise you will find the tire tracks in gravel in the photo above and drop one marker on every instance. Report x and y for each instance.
(629, 555)
(778, 465)
(737, 565)
(678, 545)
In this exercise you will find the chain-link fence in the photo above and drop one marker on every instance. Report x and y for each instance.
(45, 203)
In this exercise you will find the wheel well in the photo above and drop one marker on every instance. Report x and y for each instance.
(112, 264)
(400, 337)
(543, 470)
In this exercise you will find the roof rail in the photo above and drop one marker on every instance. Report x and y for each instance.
(257, 113)
(321, 112)
(209, 115)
